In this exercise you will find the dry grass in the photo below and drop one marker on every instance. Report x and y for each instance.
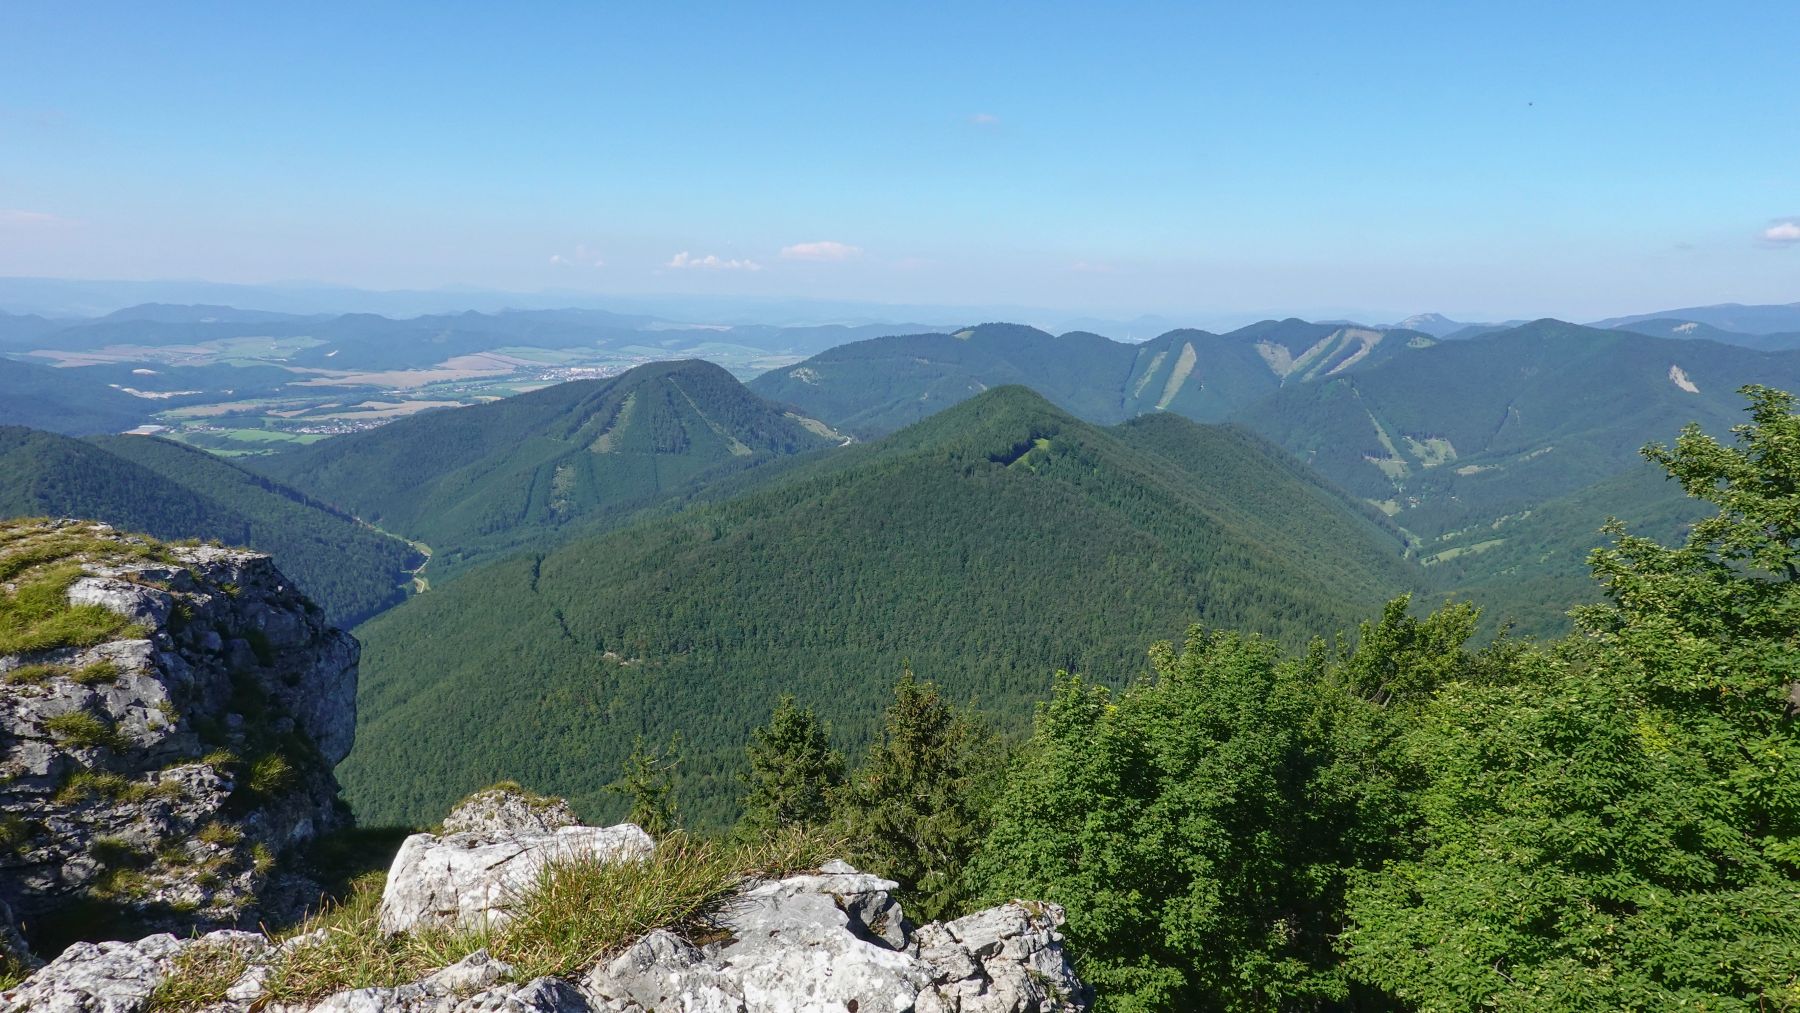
(578, 913)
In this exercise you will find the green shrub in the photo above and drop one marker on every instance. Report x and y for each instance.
(221, 759)
(12, 973)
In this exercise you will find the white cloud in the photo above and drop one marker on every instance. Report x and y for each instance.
(985, 120)
(825, 249)
(581, 256)
(14, 216)
(711, 262)
(1785, 232)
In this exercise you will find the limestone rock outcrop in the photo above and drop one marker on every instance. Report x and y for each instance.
(471, 880)
(154, 777)
(508, 808)
(831, 942)
(838, 941)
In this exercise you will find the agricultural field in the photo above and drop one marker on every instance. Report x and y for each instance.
(242, 396)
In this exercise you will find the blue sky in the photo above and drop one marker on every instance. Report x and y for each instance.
(1485, 160)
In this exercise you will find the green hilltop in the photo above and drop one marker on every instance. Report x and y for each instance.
(987, 546)
(475, 481)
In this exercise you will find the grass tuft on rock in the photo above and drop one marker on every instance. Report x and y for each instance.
(40, 563)
(12, 972)
(82, 730)
(583, 910)
(102, 671)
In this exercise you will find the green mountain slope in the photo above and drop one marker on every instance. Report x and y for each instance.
(1469, 431)
(1529, 568)
(138, 483)
(989, 545)
(1502, 455)
(470, 481)
(874, 387)
(64, 401)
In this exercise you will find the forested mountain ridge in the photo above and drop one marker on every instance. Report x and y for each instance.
(64, 401)
(988, 546)
(877, 386)
(1673, 327)
(1466, 432)
(1767, 318)
(139, 483)
(475, 480)
(1503, 455)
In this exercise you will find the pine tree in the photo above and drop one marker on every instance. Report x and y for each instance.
(917, 808)
(649, 782)
(793, 771)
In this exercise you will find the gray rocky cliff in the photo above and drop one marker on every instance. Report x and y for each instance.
(153, 779)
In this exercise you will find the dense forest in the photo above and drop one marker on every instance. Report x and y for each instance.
(139, 483)
(1394, 820)
(987, 546)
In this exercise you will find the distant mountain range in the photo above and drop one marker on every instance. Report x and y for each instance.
(370, 341)
(1479, 444)
(1769, 328)
(986, 546)
(876, 386)
(1731, 317)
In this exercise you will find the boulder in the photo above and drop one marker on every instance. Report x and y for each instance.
(468, 880)
(509, 809)
(109, 977)
(1006, 959)
(837, 942)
